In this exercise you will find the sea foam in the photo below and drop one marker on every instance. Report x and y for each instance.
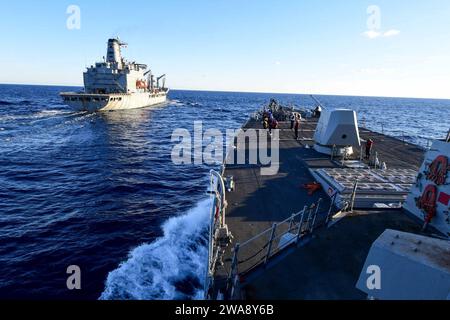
(171, 268)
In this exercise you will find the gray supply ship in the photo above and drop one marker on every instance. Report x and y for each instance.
(332, 223)
(116, 84)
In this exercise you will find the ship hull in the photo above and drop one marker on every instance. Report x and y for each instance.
(111, 102)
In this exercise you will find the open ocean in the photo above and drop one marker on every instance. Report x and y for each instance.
(100, 191)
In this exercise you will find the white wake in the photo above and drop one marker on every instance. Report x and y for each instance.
(171, 268)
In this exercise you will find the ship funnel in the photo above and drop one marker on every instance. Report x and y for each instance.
(114, 53)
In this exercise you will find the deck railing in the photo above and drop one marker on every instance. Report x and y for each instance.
(259, 250)
(217, 222)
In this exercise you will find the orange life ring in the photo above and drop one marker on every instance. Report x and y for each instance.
(427, 202)
(438, 170)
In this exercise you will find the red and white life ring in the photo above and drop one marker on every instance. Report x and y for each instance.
(438, 170)
(428, 202)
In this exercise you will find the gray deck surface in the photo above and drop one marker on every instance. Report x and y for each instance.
(329, 266)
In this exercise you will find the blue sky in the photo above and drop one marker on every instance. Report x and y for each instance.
(292, 46)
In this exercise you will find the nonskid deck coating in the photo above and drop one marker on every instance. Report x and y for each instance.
(260, 201)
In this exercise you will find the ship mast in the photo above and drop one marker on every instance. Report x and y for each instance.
(114, 55)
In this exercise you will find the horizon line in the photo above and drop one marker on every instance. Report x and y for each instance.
(237, 91)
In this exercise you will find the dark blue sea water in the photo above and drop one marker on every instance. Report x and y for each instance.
(100, 191)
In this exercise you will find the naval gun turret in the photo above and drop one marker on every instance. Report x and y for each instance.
(337, 132)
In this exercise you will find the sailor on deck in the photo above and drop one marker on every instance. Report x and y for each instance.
(369, 146)
(292, 121)
(297, 127)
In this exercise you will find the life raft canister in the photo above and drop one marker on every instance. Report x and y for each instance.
(427, 202)
(438, 170)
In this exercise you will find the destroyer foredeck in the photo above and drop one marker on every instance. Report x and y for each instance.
(328, 266)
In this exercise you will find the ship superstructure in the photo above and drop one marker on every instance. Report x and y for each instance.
(116, 84)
